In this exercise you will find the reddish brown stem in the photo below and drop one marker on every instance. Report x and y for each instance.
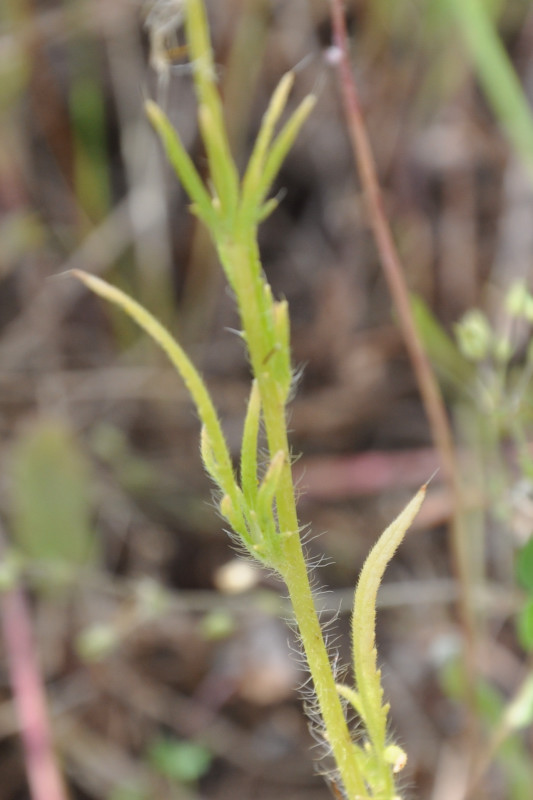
(394, 274)
(41, 767)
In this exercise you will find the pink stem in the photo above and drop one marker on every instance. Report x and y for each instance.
(29, 694)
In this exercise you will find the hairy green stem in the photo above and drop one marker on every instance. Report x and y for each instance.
(293, 568)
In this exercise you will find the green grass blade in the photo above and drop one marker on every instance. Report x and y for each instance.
(496, 74)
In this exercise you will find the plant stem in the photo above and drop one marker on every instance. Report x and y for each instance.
(42, 769)
(294, 570)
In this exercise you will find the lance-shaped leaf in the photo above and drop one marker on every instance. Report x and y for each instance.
(265, 511)
(185, 367)
(349, 694)
(231, 510)
(282, 360)
(279, 149)
(367, 675)
(249, 446)
(252, 177)
(183, 165)
(232, 505)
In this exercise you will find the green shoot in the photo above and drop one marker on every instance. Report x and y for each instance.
(259, 505)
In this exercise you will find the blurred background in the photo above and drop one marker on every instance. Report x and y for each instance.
(170, 668)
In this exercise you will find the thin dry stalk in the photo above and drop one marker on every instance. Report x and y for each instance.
(427, 383)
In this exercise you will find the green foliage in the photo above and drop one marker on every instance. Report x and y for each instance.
(87, 113)
(184, 762)
(524, 620)
(524, 566)
(496, 73)
(128, 793)
(444, 353)
(218, 624)
(96, 643)
(50, 505)
(474, 335)
(367, 698)
(504, 720)
(495, 399)
(259, 505)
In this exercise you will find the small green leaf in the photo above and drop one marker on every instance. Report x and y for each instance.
(280, 147)
(441, 349)
(519, 713)
(349, 694)
(189, 374)
(474, 335)
(184, 762)
(218, 624)
(282, 361)
(269, 486)
(256, 163)
(249, 446)
(525, 626)
(519, 301)
(367, 675)
(97, 642)
(51, 505)
(182, 164)
(524, 566)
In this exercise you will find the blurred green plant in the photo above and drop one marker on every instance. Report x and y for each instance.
(92, 181)
(179, 761)
(475, 20)
(488, 374)
(50, 499)
(260, 506)
(506, 720)
(436, 27)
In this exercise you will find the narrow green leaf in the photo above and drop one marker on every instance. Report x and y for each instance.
(267, 209)
(519, 712)
(208, 458)
(367, 676)
(269, 486)
(282, 357)
(274, 111)
(525, 626)
(280, 147)
(185, 367)
(231, 510)
(349, 694)
(249, 446)
(183, 165)
(441, 348)
(524, 566)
